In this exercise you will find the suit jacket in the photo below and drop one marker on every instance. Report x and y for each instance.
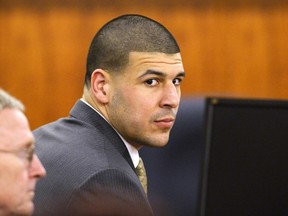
(89, 169)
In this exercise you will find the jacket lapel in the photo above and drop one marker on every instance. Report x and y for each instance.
(85, 113)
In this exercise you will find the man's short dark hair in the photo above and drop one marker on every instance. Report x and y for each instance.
(112, 44)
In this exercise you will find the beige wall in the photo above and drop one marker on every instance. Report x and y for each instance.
(227, 49)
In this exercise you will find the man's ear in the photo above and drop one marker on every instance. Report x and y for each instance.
(100, 85)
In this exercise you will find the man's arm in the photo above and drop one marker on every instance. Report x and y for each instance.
(110, 192)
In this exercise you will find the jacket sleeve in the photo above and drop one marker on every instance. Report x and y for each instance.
(109, 192)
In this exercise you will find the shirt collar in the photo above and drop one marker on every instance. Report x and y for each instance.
(133, 152)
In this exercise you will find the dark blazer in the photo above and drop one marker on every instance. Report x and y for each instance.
(89, 169)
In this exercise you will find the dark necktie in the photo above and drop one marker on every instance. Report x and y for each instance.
(141, 173)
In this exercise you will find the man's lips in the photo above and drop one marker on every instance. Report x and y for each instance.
(165, 122)
(30, 195)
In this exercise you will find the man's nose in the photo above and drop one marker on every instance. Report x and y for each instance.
(36, 169)
(171, 96)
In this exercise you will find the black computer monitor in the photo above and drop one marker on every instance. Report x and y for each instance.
(245, 164)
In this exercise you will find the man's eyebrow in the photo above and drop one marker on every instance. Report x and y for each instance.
(159, 73)
(153, 72)
(181, 74)
(29, 143)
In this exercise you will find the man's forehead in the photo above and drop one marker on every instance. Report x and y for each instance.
(14, 129)
(155, 59)
(136, 55)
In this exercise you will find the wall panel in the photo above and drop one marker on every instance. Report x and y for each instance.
(226, 50)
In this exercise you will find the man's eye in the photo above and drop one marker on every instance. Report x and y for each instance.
(151, 82)
(177, 81)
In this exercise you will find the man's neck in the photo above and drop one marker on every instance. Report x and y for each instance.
(133, 152)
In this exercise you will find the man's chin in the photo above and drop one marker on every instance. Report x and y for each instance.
(159, 143)
(25, 210)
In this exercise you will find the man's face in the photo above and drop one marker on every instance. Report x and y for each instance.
(145, 98)
(18, 175)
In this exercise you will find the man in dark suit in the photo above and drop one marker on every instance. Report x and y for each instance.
(131, 97)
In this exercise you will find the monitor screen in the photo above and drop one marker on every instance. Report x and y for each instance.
(245, 167)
